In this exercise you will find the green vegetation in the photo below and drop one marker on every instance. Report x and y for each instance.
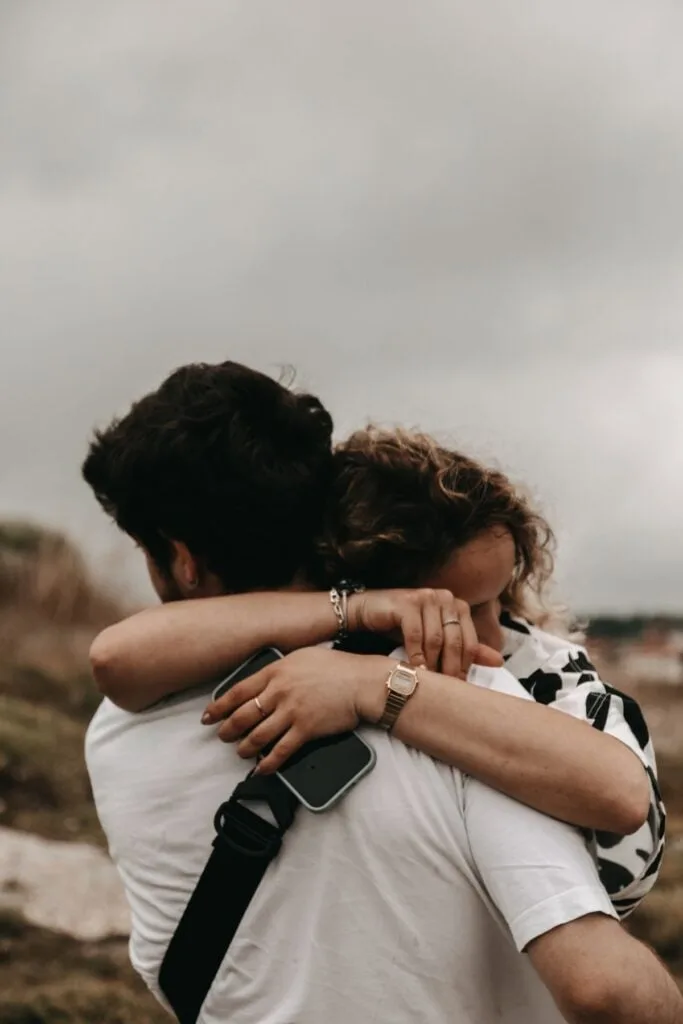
(43, 783)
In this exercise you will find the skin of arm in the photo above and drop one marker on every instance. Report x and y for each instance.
(598, 974)
(548, 760)
(545, 886)
(190, 643)
(555, 763)
(552, 762)
(172, 647)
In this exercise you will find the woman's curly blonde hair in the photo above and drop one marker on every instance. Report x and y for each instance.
(401, 504)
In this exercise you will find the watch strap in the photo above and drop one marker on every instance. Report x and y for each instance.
(392, 709)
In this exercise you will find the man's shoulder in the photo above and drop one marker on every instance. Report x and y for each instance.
(111, 726)
(106, 715)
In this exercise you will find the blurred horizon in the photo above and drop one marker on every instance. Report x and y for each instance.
(119, 570)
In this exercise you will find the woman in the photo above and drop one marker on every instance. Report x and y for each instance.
(405, 511)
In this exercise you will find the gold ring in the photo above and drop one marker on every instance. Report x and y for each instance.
(451, 622)
(262, 713)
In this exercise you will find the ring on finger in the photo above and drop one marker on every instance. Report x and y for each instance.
(262, 712)
(451, 622)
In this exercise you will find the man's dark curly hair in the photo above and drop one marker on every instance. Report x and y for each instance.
(226, 460)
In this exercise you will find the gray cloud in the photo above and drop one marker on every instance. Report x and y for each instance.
(463, 216)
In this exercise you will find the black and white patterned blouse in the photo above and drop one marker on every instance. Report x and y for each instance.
(557, 672)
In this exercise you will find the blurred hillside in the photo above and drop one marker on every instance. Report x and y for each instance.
(49, 612)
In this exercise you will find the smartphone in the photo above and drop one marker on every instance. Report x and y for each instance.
(323, 770)
(248, 668)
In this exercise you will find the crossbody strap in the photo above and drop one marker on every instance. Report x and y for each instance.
(244, 846)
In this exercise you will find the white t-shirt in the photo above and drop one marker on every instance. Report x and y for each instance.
(408, 901)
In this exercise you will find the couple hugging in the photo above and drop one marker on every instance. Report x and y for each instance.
(480, 871)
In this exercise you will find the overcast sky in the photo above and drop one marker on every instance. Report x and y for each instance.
(459, 215)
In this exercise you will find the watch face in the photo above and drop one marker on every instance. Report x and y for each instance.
(403, 681)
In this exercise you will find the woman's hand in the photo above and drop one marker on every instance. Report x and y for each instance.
(311, 693)
(316, 692)
(436, 628)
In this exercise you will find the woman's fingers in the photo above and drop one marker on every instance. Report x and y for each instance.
(452, 656)
(281, 752)
(484, 655)
(433, 630)
(237, 695)
(412, 628)
(469, 638)
(268, 731)
(438, 632)
(243, 720)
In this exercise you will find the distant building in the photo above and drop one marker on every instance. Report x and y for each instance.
(658, 667)
(604, 649)
(656, 657)
(654, 654)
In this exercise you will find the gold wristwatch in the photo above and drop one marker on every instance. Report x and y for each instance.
(401, 685)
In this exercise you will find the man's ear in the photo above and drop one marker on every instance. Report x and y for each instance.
(184, 568)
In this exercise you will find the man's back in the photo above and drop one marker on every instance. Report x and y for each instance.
(373, 910)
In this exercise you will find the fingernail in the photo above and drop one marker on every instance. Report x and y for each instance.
(257, 769)
(206, 718)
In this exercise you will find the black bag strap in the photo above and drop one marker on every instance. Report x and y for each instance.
(244, 846)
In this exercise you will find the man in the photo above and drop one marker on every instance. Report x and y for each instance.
(410, 899)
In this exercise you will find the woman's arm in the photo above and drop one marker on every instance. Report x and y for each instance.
(559, 673)
(172, 647)
(189, 643)
(555, 763)
(550, 761)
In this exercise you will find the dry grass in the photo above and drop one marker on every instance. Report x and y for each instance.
(51, 979)
(43, 576)
(43, 783)
(49, 613)
(50, 610)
